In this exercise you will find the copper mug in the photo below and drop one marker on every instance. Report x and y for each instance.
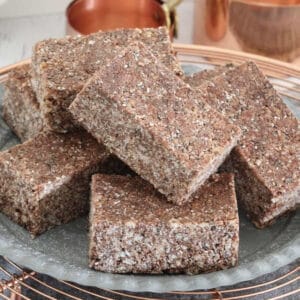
(265, 27)
(87, 16)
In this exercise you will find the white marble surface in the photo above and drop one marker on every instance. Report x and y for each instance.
(18, 35)
(21, 8)
(24, 22)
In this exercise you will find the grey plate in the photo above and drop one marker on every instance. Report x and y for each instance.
(62, 251)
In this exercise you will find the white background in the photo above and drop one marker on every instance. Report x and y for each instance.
(24, 22)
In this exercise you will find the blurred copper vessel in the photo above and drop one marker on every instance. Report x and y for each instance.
(87, 16)
(265, 27)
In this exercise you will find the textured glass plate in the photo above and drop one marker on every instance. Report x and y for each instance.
(62, 252)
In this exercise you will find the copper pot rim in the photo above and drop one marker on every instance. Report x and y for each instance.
(70, 7)
(67, 11)
(165, 12)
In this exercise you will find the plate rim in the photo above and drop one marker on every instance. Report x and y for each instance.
(200, 49)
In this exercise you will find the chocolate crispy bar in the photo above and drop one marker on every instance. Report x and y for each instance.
(149, 118)
(198, 78)
(134, 230)
(20, 108)
(62, 66)
(21, 111)
(45, 181)
(267, 161)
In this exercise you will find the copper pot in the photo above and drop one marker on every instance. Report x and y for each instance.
(265, 27)
(87, 16)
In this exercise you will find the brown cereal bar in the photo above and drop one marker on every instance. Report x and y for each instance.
(134, 230)
(45, 181)
(267, 161)
(62, 66)
(20, 108)
(198, 78)
(149, 118)
(22, 114)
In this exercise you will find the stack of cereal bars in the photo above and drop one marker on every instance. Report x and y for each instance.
(162, 155)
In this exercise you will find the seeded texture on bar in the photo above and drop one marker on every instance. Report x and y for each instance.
(134, 230)
(155, 123)
(20, 108)
(45, 181)
(267, 160)
(61, 67)
(21, 112)
(198, 78)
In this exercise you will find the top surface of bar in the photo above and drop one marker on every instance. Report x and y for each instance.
(79, 57)
(49, 157)
(123, 199)
(163, 104)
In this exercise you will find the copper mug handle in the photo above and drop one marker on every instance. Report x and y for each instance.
(169, 7)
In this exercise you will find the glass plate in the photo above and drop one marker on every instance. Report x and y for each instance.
(62, 252)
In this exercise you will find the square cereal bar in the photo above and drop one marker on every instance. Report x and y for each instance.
(62, 66)
(20, 108)
(267, 161)
(22, 114)
(198, 78)
(152, 121)
(45, 181)
(21, 111)
(134, 230)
